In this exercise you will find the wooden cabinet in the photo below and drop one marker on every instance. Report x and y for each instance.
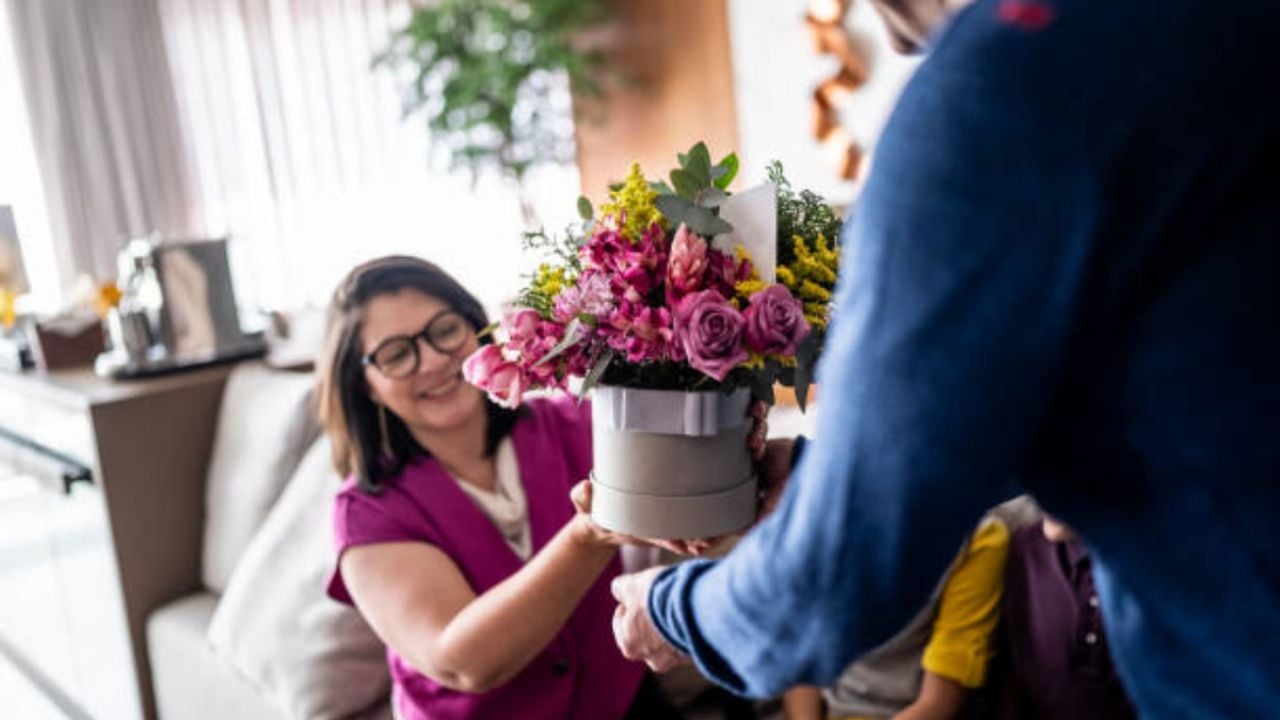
(95, 477)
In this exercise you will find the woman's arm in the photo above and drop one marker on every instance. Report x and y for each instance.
(419, 603)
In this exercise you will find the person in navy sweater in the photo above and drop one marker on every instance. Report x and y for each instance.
(1062, 277)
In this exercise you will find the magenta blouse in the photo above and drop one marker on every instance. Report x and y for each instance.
(580, 674)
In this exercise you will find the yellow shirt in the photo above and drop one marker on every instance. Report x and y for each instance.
(962, 643)
(962, 640)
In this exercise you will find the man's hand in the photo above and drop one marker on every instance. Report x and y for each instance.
(633, 629)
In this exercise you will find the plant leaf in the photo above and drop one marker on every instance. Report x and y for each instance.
(597, 371)
(762, 388)
(585, 210)
(711, 197)
(724, 172)
(486, 330)
(673, 207)
(572, 334)
(806, 357)
(699, 165)
(686, 186)
(704, 222)
(661, 188)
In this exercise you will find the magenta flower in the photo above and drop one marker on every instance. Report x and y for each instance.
(502, 379)
(521, 328)
(644, 333)
(724, 271)
(710, 331)
(775, 322)
(601, 252)
(686, 266)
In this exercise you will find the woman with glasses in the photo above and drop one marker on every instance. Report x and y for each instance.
(456, 536)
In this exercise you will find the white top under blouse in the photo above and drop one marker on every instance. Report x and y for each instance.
(506, 504)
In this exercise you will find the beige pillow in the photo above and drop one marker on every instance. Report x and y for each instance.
(265, 423)
(309, 655)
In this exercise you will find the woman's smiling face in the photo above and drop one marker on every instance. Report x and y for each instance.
(434, 398)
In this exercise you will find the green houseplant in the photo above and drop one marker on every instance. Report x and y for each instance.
(489, 77)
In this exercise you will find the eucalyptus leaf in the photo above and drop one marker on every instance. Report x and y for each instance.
(710, 198)
(699, 165)
(674, 208)
(705, 222)
(585, 211)
(685, 184)
(661, 188)
(724, 172)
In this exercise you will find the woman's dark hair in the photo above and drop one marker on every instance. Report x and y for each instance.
(349, 414)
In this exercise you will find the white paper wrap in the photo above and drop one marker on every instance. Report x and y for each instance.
(753, 214)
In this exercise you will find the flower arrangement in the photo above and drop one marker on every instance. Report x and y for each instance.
(657, 291)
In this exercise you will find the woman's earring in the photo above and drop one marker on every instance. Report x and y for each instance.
(383, 432)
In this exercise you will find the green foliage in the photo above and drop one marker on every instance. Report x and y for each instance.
(562, 249)
(486, 73)
(696, 191)
(564, 262)
(804, 213)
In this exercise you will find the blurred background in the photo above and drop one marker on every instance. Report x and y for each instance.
(274, 123)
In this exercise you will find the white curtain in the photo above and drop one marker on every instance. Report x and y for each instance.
(263, 120)
(104, 124)
(302, 156)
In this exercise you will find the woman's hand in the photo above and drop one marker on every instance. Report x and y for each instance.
(585, 530)
(588, 531)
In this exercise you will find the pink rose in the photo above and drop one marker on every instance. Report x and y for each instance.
(686, 265)
(502, 379)
(710, 330)
(775, 322)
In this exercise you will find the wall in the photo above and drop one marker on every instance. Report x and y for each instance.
(775, 71)
(672, 86)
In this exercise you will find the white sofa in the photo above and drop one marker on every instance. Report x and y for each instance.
(261, 640)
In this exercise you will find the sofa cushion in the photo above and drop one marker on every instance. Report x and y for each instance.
(310, 655)
(265, 424)
(190, 681)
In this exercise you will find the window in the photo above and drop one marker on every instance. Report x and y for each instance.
(20, 182)
(301, 154)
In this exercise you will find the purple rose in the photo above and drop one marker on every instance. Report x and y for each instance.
(710, 330)
(775, 322)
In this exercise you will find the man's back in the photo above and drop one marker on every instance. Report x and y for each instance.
(1063, 271)
(1162, 441)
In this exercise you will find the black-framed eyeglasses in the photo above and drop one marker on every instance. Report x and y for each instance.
(398, 357)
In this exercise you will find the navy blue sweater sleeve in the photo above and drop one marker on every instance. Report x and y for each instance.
(963, 267)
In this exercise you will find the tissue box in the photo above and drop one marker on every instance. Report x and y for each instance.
(67, 341)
